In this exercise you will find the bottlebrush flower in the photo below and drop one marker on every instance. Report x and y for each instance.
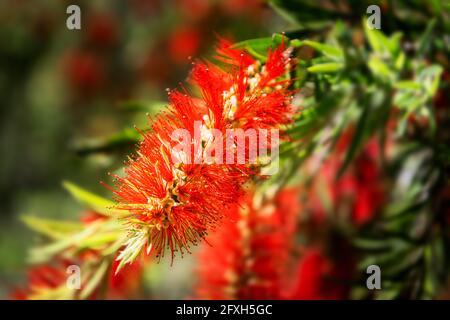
(173, 204)
(247, 257)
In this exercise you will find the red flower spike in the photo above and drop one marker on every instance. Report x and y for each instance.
(360, 187)
(254, 264)
(312, 270)
(175, 204)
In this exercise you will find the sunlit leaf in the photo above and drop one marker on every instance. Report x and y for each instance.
(94, 281)
(55, 229)
(326, 67)
(93, 201)
(328, 50)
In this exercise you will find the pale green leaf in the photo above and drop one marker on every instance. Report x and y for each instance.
(330, 51)
(325, 67)
(93, 201)
(52, 228)
(95, 280)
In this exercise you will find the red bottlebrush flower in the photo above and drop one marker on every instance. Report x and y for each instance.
(252, 265)
(278, 63)
(173, 204)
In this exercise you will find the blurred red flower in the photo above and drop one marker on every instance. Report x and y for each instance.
(247, 258)
(183, 43)
(83, 71)
(359, 191)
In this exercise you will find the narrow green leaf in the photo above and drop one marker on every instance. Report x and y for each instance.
(326, 67)
(430, 78)
(400, 61)
(94, 281)
(330, 51)
(373, 37)
(357, 139)
(99, 240)
(260, 46)
(54, 229)
(407, 84)
(93, 201)
(379, 68)
(295, 43)
(425, 39)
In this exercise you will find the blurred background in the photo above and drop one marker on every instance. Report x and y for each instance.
(67, 95)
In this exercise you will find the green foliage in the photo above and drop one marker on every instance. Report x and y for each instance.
(362, 86)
